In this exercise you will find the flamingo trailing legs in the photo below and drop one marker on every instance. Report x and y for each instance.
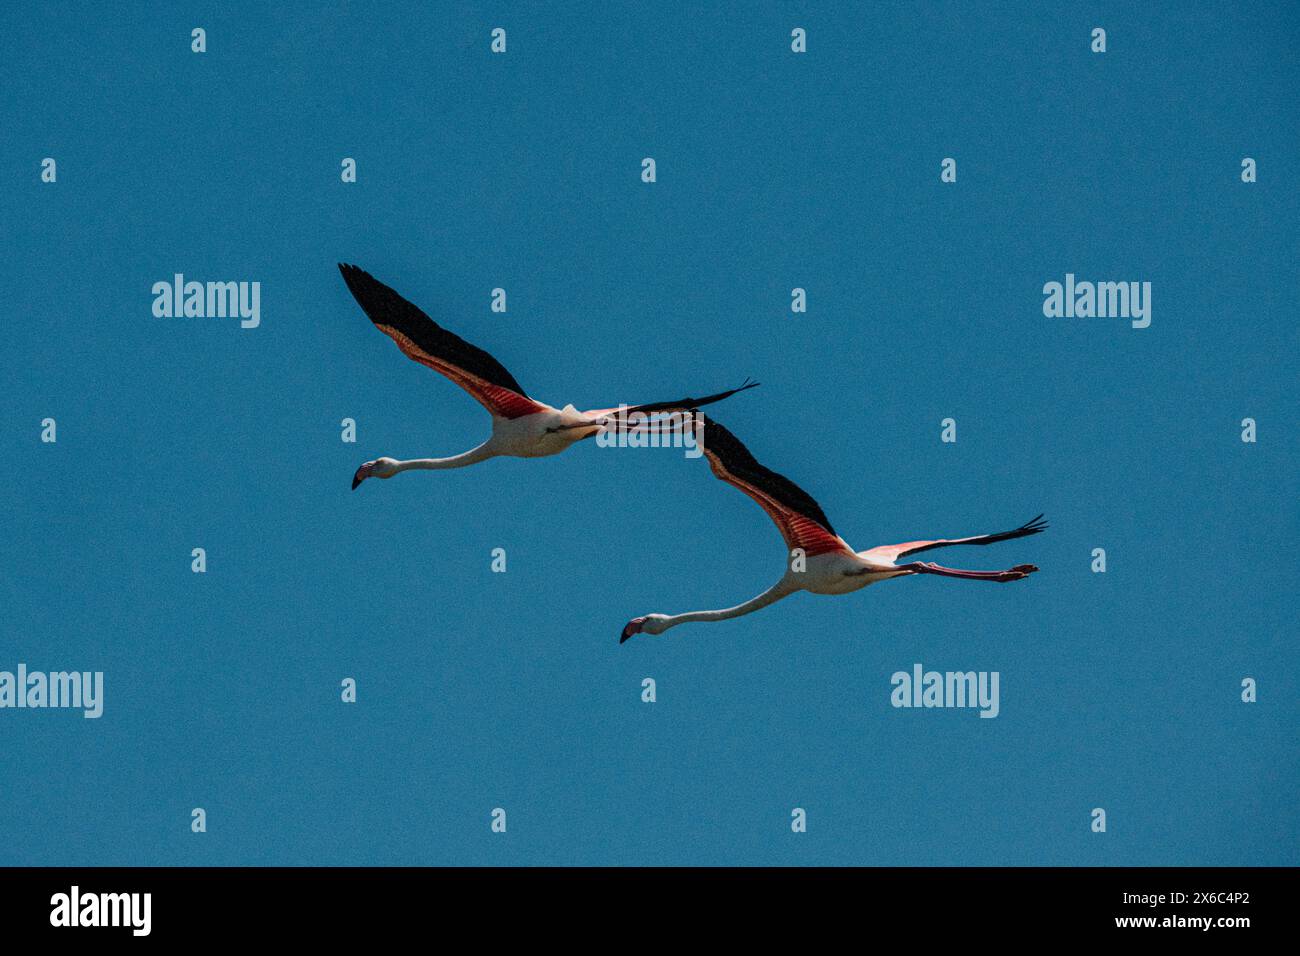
(829, 565)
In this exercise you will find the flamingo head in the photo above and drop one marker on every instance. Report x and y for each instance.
(649, 623)
(379, 468)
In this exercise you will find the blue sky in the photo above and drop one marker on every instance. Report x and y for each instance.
(522, 171)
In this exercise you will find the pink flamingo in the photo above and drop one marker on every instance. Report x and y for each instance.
(828, 565)
(522, 427)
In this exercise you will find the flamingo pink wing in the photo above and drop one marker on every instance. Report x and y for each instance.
(425, 341)
(798, 517)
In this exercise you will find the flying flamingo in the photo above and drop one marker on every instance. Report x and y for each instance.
(832, 567)
(522, 427)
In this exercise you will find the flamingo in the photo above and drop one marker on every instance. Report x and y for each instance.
(522, 427)
(831, 566)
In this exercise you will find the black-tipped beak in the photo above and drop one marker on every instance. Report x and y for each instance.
(356, 482)
(632, 627)
(362, 474)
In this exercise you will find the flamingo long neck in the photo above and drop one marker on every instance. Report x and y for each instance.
(473, 456)
(770, 596)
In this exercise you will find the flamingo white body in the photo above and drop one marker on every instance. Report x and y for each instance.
(536, 435)
(821, 562)
(522, 427)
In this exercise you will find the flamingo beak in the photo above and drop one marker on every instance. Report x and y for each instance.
(362, 474)
(633, 626)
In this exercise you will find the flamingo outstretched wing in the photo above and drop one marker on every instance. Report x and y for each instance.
(799, 518)
(428, 343)
(892, 552)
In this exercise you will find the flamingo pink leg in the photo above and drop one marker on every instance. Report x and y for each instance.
(1014, 574)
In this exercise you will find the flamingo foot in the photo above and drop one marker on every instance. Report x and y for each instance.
(1018, 572)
